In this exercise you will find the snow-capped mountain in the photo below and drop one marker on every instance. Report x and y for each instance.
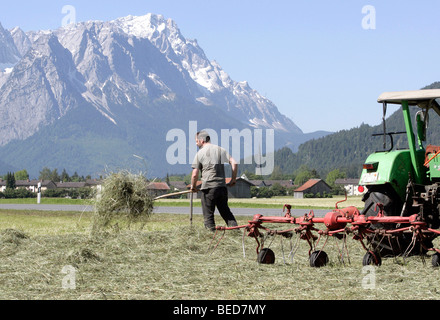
(130, 80)
(217, 88)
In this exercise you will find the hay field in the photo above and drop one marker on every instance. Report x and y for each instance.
(51, 255)
(277, 202)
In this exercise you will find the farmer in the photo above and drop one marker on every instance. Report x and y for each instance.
(210, 162)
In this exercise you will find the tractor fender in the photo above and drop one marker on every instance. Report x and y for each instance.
(389, 168)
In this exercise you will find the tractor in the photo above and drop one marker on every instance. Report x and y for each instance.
(404, 182)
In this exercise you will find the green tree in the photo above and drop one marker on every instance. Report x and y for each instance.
(55, 176)
(10, 181)
(45, 174)
(277, 173)
(64, 176)
(304, 174)
(332, 176)
(21, 175)
(278, 190)
(75, 177)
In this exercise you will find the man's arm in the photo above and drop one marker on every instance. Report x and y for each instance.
(234, 167)
(194, 179)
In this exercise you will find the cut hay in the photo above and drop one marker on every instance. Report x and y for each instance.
(83, 255)
(125, 196)
(12, 236)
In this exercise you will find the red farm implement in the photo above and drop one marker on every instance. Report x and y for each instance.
(340, 223)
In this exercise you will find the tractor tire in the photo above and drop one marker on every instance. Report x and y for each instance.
(390, 201)
(392, 205)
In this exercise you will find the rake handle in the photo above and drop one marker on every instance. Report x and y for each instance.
(173, 194)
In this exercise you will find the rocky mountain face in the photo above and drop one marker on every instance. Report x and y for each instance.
(9, 54)
(88, 96)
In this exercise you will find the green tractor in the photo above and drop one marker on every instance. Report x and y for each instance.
(404, 182)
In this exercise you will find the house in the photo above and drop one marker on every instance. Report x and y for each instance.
(177, 186)
(351, 186)
(283, 183)
(257, 183)
(71, 185)
(31, 185)
(313, 186)
(157, 189)
(90, 183)
(288, 184)
(270, 183)
(242, 189)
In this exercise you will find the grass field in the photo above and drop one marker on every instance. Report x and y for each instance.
(52, 255)
(277, 202)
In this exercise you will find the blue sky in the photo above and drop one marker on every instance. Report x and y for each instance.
(314, 59)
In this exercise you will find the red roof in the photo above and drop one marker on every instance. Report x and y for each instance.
(158, 186)
(308, 185)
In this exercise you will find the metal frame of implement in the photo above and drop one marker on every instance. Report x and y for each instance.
(337, 223)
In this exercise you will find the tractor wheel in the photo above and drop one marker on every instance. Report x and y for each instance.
(436, 260)
(318, 259)
(390, 201)
(372, 258)
(266, 256)
(386, 198)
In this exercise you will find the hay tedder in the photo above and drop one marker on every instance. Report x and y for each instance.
(401, 216)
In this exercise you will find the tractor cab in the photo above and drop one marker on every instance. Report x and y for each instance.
(405, 182)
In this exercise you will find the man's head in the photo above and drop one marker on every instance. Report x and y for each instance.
(202, 138)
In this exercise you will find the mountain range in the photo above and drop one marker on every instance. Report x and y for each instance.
(97, 96)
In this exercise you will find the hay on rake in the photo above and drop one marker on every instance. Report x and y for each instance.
(124, 195)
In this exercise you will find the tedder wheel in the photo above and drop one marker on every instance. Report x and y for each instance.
(436, 260)
(372, 258)
(266, 256)
(318, 259)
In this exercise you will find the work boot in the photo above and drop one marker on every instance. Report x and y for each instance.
(210, 227)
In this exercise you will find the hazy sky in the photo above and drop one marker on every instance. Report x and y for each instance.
(323, 63)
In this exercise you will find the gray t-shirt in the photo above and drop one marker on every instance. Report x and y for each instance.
(210, 161)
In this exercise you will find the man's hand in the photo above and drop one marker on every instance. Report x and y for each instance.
(233, 182)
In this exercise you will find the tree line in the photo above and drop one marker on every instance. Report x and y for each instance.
(12, 192)
(46, 174)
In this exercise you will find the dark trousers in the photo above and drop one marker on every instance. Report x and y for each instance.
(212, 198)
